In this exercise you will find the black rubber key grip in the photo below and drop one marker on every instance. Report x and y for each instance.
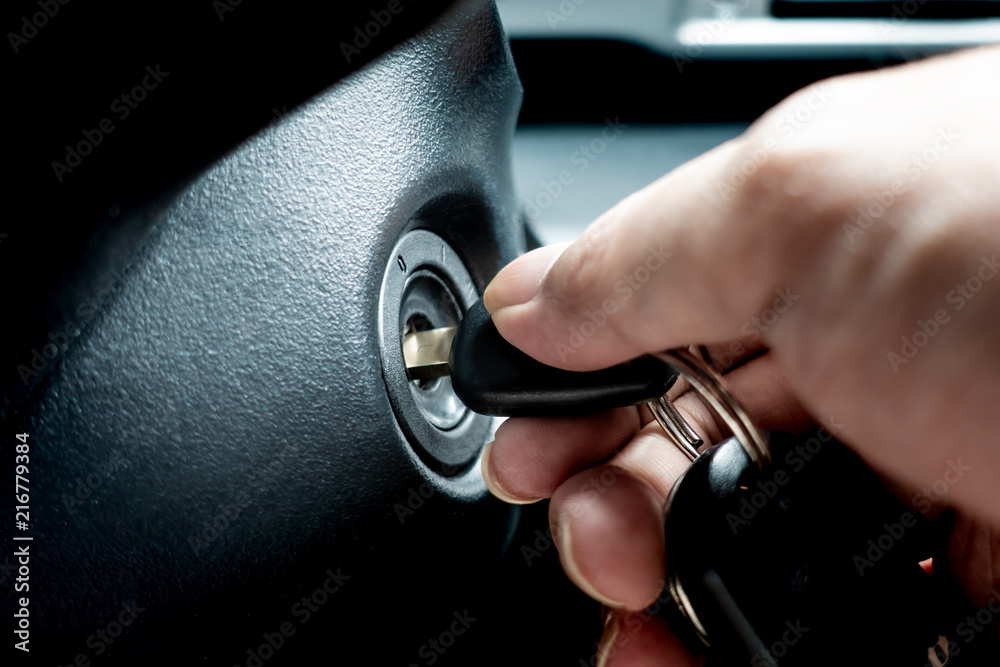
(493, 377)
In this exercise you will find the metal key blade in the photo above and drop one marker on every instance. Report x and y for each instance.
(425, 353)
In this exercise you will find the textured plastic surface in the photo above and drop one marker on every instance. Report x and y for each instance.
(493, 377)
(216, 443)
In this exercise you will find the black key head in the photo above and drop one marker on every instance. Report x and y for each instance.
(493, 377)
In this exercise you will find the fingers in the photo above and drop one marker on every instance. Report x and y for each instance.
(522, 279)
(531, 456)
(973, 552)
(637, 639)
(651, 457)
(762, 389)
(724, 357)
(609, 478)
(608, 527)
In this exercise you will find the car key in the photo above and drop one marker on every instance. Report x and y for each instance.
(768, 554)
(495, 378)
(504, 381)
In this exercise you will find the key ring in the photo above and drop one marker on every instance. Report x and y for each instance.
(694, 373)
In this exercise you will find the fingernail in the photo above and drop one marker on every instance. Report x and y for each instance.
(606, 647)
(495, 488)
(520, 281)
(564, 544)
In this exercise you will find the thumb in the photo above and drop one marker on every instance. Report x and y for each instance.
(670, 265)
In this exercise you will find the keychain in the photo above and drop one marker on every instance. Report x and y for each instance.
(795, 553)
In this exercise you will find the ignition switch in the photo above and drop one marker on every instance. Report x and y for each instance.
(426, 286)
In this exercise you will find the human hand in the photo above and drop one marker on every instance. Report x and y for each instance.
(840, 260)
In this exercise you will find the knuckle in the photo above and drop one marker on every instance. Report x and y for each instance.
(790, 182)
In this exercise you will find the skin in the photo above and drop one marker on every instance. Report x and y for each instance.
(781, 210)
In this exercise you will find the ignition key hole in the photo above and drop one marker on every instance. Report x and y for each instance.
(428, 303)
(427, 286)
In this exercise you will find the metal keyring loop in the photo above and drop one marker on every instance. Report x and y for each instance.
(712, 388)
